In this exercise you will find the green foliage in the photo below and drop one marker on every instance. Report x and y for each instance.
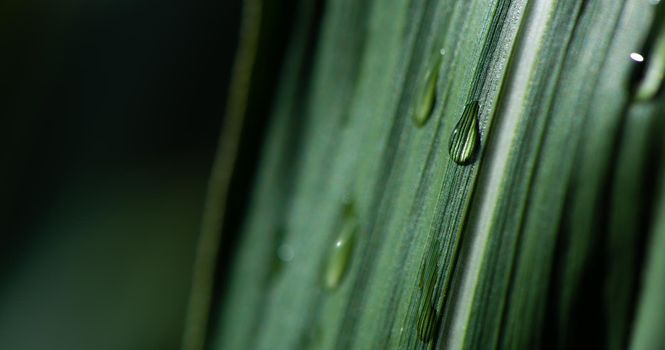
(545, 230)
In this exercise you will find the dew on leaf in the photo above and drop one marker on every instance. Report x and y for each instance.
(465, 137)
(426, 97)
(341, 252)
(650, 64)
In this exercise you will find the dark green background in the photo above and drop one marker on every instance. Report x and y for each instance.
(110, 113)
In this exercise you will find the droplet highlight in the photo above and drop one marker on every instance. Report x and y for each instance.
(636, 57)
(465, 137)
(339, 259)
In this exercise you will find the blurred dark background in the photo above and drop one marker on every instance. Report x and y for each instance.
(110, 114)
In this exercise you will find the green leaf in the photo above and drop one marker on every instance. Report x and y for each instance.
(498, 157)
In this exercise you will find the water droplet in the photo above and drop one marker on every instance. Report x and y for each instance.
(428, 316)
(426, 96)
(428, 274)
(465, 137)
(428, 322)
(342, 250)
(650, 68)
(283, 253)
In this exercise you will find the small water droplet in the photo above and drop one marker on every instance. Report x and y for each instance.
(428, 322)
(650, 64)
(426, 96)
(283, 253)
(465, 137)
(428, 274)
(342, 250)
(428, 316)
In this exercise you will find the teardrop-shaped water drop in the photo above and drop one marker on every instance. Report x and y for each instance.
(426, 97)
(341, 252)
(428, 322)
(429, 272)
(465, 137)
(427, 318)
